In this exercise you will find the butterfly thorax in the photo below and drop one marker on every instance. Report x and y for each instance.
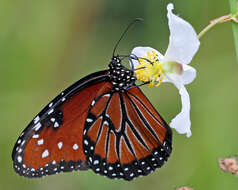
(121, 77)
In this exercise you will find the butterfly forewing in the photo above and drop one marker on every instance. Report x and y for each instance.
(124, 136)
(52, 142)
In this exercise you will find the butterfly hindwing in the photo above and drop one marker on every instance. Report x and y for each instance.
(124, 136)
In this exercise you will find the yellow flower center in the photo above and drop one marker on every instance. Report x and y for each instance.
(150, 70)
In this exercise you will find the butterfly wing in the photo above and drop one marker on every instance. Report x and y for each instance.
(124, 136)
(52, 142)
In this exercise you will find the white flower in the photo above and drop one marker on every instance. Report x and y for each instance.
(152, 67)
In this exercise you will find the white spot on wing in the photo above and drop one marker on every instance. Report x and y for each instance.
(37, 118)
(96, 162)
(75, 147)
(60, 144)
(40, 142)
(85, 131)
(93, 102)
(45, 153)
(51, 104)
(35, 136)
(106, 123)
(23, 142)
(56, 124)
(89, 120)
(37, 126)
(19, 159)
(51, 111)
(85, 142)
(110, 168)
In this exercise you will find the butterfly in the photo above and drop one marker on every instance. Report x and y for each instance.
(102, 122)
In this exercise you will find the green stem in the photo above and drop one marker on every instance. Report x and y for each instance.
(234, 12)
(213, 23)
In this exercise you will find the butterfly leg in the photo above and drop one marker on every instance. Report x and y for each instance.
(135, 86)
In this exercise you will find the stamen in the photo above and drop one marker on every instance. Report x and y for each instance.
(150, 70)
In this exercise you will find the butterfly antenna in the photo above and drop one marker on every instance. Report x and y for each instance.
(123, 34)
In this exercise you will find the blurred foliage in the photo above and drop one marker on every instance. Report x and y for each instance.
(47, 45)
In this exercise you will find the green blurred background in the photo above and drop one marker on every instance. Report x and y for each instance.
(47, 45)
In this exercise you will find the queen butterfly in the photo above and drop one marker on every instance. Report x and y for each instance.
(102, 122)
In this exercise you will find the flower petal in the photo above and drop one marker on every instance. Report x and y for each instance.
(183, 40)
(187, 76)
(141, 52)
(181, 123)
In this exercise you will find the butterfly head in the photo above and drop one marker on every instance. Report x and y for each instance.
(121, 77)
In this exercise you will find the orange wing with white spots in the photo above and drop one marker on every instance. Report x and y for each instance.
(124, 136)
(102, 122)
(52, 142)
